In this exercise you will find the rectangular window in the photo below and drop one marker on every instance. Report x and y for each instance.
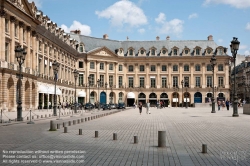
(80, 64)
(152, 81)
(130, 82)
(16, 30)
(6, 25)
(80, 79)
(175, 81)
(209, 81)
(142, 82)
(197, 81)
(45, 49)
(220, 83)
(142, 68)
(92, 79)
(130, 52)
(163, 82)
(197, 51)
(111, 66)
(101, 66)
(163, 68)
(120, 81)
(186, 68)
(7, 51)
(111, 81)
(152, 67)
(120, 67)
(175, 51)
(92, 65)
(101, 80)
(40, 46)
(186, 81)
(130, 68)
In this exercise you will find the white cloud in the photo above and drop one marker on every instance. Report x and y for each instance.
(38, 3)
(220, 40)
(234, 3)
(141, 31)
(243, 47)
(248, 26)
(174, 26)
(124, 12)
(247, 52)
(194, 15)
(85, 29)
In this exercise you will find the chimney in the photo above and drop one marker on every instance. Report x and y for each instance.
(210, 37)
(127, 38)
(168, 38)
(157, 38)
(105, 36)
(76, 32)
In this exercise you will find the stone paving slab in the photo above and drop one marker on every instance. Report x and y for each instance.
(227, 138)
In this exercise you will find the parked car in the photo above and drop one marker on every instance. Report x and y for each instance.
(88, 106)
(121, 106)
(112, 106)
(106, 107)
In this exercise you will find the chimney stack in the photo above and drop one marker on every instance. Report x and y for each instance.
(157, 38)
(78, 32)
(210, 37)
(105, 36)
(168, 38)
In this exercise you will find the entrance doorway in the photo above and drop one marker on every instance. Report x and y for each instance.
(198, 97)
(153, 99)
(142, 98)
(130, 102)
(164, 98)
(103, 98)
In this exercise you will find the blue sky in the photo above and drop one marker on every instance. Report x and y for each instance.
(146, 19)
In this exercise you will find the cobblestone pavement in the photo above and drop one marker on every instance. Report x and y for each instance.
(227, 139)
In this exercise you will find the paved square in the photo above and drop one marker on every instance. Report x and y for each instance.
(227, 139)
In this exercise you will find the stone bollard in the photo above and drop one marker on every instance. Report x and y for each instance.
(74, 122)
(45, 115)
(58, 126)
(80, 131)
(135, 139)
(114, 136)
(161, 138)
(78, 121)
(96, 134)
(32, 117)
(82, 120)
(27, 118)
(37, 116)
(86, 119)
(52, 126)
(69, 123)
(41, 116)
(65, 129)
(204, 148)
(64, 124)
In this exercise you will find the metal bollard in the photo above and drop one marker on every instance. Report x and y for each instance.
(45, 115)
(96, 134)
(69, 123)
(80, 131)
(161, 138)
(74, 122)
(82, 120)
(64, 124)
(114, 136)
(65, 129)
(78, 121)
(86, 119)
(135, 139)
(204, 148)
(52, 126)
(58, 126)
(91, 117)
(41, 116)
(27, 118)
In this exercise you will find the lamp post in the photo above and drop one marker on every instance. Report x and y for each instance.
(234, 48)
(111, 94)
(55, 66)
(213, 63)
(182, 82)
(98, 84)
(76, 74)
(106, 86)
(20, 54)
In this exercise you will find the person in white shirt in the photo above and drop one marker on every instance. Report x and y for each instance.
(148, 106)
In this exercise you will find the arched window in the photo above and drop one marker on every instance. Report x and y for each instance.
(209, 67)
(197, 68)
(220, 67)
(186, 67)
(175, 68)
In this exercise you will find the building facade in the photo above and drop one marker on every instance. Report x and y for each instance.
(127, 71)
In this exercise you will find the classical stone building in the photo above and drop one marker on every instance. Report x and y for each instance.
(129, 71)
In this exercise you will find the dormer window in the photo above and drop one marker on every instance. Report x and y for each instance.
(153, 52)
(175, 51)
(81, 48)
(164, 52)
(186, 52)
(209, 51)
(220, 51)
(142, 51)
(131, 52)
(197, 51)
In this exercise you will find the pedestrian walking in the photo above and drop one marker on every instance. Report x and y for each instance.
(227, 104)
(223, 105)
(140, 107)
(219, 104)
(148, 107)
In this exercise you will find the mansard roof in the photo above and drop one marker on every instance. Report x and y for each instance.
(91, 43)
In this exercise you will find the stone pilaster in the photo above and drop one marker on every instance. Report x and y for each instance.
(12, 36)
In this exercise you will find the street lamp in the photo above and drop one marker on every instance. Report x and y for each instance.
(106, 86)
(55, 66)
(234, 48)
(182, 82)
(76, 74)
(98, 84)
(213, 63)
(20, 54)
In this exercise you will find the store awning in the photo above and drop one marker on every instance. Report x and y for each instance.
(130, 95)
(42, 88)
(81, 94)
(51, 90)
